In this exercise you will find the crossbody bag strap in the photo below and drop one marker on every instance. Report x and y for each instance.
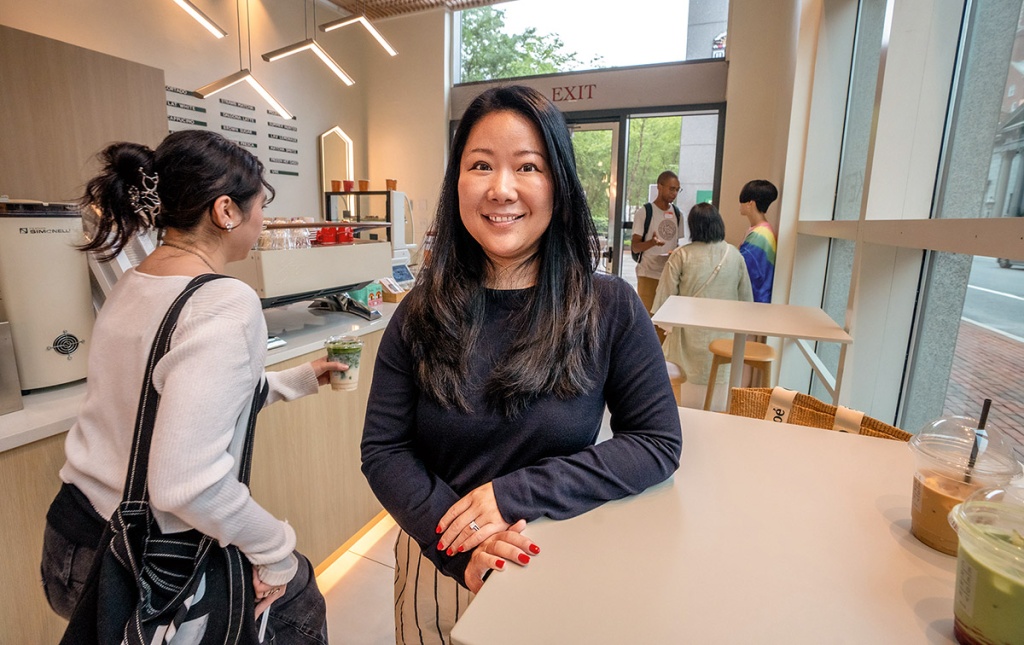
(713, 273)
(138, 465)
(258, 400)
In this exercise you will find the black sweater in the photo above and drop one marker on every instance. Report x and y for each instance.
(420, 458)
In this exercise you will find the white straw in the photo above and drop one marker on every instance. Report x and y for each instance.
(263, 624)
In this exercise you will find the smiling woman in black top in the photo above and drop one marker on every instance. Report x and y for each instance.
(492, 378)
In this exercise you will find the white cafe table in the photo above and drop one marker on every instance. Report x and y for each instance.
(767, 533)
(759, 319)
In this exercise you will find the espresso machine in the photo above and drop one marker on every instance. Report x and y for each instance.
(45, 293)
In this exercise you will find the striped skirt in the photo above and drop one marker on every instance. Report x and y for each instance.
(427, 602)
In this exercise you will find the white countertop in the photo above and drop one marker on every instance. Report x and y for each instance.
(52, 410)
(767, 533)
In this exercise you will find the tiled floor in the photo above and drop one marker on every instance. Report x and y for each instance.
(359, 588)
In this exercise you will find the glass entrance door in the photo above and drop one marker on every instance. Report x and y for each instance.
(619, 161)
(596, 146)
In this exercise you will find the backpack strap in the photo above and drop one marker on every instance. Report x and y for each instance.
(638, 255)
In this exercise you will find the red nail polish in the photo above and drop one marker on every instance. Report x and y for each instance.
(525, 559)
(440, 547)
(534, 549)
(450, 552)
(461, 549)
(438, 529)
(500, 564)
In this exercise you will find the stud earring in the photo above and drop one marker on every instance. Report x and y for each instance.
(229, 226)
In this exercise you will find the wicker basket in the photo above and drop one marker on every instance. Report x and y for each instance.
(807, 411)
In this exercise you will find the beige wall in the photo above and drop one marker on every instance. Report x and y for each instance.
(51, 137)
(399, 104)
(407, 110)
(762, 63)
(161, 35)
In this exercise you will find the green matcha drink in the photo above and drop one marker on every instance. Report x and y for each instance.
(989, 603)
(347, 350)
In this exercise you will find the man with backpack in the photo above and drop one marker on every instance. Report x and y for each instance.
(657, 227)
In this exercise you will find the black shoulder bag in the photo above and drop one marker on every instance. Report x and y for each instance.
(145, 586)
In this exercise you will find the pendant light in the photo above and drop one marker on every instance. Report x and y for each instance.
(311, 45)
(362, 19)
(201, 18)
(243, 74)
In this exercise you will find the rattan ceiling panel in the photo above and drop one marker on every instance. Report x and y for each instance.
(374, 9)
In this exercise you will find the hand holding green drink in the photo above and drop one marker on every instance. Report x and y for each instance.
(347, 350)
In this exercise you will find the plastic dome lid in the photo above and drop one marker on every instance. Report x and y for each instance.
(996, 516)
(948, 442)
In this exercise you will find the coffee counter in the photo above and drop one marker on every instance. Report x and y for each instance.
(52, 411)
(305, 463)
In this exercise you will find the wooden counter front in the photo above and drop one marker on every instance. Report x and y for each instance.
(306, 461)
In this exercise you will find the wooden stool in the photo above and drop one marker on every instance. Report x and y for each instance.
(675, 375)
(757, 355)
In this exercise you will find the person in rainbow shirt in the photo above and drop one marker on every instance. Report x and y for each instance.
(758, 248)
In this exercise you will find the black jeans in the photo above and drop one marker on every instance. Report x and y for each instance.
(299, 617)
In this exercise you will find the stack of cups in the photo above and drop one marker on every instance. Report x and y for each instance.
(989, 602)
(954, 460)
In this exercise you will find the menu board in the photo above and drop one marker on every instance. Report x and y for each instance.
(263, 132)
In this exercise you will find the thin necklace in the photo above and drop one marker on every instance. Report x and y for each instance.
(188, 250)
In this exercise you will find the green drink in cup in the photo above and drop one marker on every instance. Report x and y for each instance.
(988, 606)
(347, 350)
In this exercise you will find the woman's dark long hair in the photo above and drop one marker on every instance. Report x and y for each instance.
(188, 171)
(555, 333)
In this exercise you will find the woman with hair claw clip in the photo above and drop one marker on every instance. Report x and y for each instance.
(205, 196)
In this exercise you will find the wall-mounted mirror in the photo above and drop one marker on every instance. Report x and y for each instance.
(335, 159)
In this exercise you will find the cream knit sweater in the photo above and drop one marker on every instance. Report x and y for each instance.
(687, 269)
(206, 383)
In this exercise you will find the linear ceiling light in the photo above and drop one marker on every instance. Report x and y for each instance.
(201, 18)
(314, 47)
(238, 77)
(343, 22)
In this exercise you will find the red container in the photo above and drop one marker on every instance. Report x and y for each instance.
(327, 235)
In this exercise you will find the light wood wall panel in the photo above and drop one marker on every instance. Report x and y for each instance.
(28, 483)
(60, 105)
(306, 464)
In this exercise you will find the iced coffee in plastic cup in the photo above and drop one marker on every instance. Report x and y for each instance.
(946, 475)
(989, 603)
(347, 350)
